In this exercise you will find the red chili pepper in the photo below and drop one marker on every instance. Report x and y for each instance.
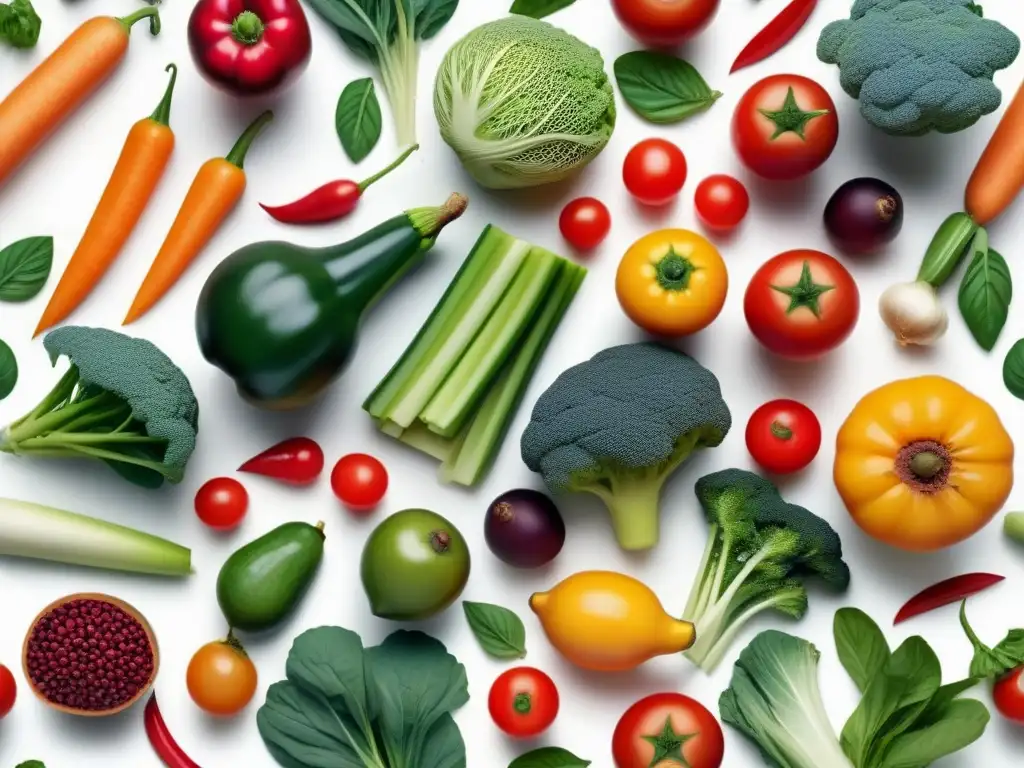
(164, 745)
(773, 37)
(249, 47)
(946, 592)
(298, 461)
(331, 201)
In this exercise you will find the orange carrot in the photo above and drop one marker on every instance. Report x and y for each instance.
(138, 171)
(215, 191)
(54, 89)
(999, 175)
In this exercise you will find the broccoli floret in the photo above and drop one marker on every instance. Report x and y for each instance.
(122, 401)
(619, 425)
(919, 65)
(759, 550)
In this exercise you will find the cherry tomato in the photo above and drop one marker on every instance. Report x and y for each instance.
(654, 171)
(8, 691)
(665, 730)
(221, 503)
(801, 304)
(523, 702)
(359, 481)
(783, 436)
(221, 678)
(784, 127)
(1008, 695)
(721, 202)
(585, 223)
(664, 23)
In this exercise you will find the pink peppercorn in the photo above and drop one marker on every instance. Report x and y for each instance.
(89, 655)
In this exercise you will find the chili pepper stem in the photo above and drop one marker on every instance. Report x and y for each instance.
(143, 13)
(385, 171)
(237, 154)
(162, 113)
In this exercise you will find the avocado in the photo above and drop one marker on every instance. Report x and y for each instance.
(261, 583)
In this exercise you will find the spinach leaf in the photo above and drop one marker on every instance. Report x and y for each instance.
(993, 662)
(499, 631)
(1013, 370)
(432, 16)
(985, 293)
(538, 9)
(940, 702)
(962, 724)
(862, 648)
(24, 268)
(444, 746)
(662, 88)
(549, 757)
(358, 119)
(8, 370)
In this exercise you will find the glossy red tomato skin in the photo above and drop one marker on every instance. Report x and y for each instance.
(783, 436)
(8, 691)
(654, 171)
(221, 503)
(665, 23)
(359, 481)
(523, 702)
(1008, 695)
(585, 223)
(800, 334)
(787, 156)
(685, 716)
(721, 201)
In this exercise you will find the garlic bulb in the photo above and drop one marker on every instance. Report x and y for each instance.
(914, 313)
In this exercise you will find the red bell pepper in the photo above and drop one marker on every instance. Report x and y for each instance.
(249, 47)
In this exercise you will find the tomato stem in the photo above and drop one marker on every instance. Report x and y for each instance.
(440, 541)
(673, 271)
(781, 431)
(522, 703)
(804, 292)
(790, 118)
(234, 643)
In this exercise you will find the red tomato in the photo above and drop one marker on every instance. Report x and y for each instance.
(666, 730)
(585, 222)
(800, 304)
(8, 691)
(359, 481)
(1008, 695)
(523, 702)
(783, 436)
(784, 127)
(654, 171)
(721, 201)
(664, 23)
(221, 503)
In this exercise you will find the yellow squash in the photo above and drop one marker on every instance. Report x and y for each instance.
(608, 622)
(922, 463)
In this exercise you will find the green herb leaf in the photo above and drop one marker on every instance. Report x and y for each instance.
(24, 268)
(985, 294)
(8, 370)
(358, 119)
(662, 88)
(549, 757)
(1013, 369)
(962, 724)
(499, 631)
(538, 9)
(862, 648)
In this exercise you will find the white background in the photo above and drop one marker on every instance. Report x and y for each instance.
(55, 194)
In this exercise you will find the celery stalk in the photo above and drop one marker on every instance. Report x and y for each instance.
(468, 383)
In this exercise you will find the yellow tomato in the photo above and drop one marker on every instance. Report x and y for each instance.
(608, 622)
(672, 282)
(922, 463)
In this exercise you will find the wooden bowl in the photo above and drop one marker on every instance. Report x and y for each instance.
(125, 608)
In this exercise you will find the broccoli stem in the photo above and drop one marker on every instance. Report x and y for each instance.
(633, 504)
(709, 657)
(698, 599)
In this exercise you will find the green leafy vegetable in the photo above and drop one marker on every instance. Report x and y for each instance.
(19, 24)
(549, 757)
(985, 292)
(662, 88)
(385, 33)
(345, 706)
(862, 648)
(499, 631)
(358, 119)
(8, 370)
(538, 9)
(993, 662)
(31, 764)
(24, 268)
(1013, 369)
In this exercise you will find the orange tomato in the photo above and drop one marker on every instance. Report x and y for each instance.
(221, 678)
(672, 282)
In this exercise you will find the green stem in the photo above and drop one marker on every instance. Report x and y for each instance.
(781, 431)
(522, 703)
(237, 154)
(430, 221)
(969, 631)
(926, 465)
(247, 28)
(673, 272)
(385, 171)
(162, 113)
(143, 13)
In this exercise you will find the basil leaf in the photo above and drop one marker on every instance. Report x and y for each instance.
(860, 644)
(1013, 369)
(962, 724)
(25, 267)
(8, 370)
(662, 88)
(549, 757)
(498, 630)
(538, 9)
(985, 294)
(358, 119)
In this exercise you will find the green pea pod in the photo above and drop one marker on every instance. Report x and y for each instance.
(947, 249)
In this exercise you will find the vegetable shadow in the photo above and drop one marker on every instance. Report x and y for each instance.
(912, 570)
(535, 199)
(631, 684)
(918, 163)
(786, 200)
(798, 379)
(86, 731)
